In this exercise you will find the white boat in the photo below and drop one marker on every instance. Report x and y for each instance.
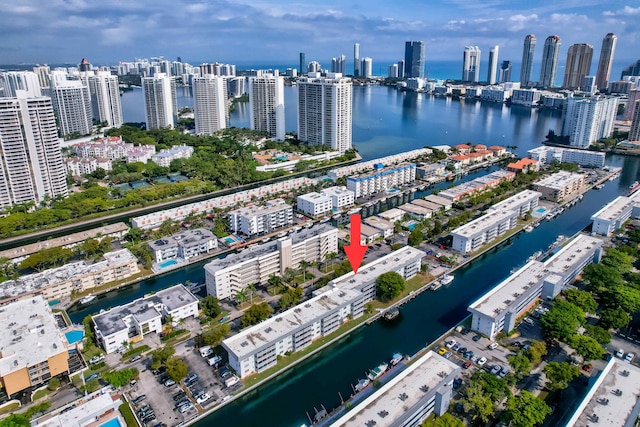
(378, 371)
(435, 286)
(282, 234)
(362, 384)
(324, 220)
(87, 299)
(354, 211)
(338, 216)
(397, 357)
(308, 225)
(537, 224)
(447, 278)
(528, 228)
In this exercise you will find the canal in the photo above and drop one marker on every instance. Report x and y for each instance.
(284, 401)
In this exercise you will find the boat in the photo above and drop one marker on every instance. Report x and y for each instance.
(528, 228)
(550, 216)
(561, 211)
(308, 225)
(599, 187)
(362, 384)
(324, 220)
(534, 256)
(338, 216)
(435, 286)
(87, 299)
(354, 211)
(537, 224)
(282, 234)
(378, 371)
(265, 240)
(447, 278)
(395, 359)
(391, 314)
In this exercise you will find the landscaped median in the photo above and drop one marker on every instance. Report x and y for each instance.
(127, 413)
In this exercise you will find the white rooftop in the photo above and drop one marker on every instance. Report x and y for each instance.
(416, 209)
(315, 197)
(517, 199)
(271, 206)
(379, 223)
(614, 209)
(391, 213)
(572, 253)
(84, 411)
(488, 220)
(392, 401)
(336, 191)
(559, 180)
(31, 334)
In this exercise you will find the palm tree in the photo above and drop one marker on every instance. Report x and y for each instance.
(241, 297)
(250, 289)
(304, 264)
(330, 257)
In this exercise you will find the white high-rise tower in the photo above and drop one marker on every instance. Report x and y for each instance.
(493, 65)
(105, 98)
(325, 111)
(210, 105)
(160, 101)
(72, 102)
(266, 99)
(27, 81)
(471, 64)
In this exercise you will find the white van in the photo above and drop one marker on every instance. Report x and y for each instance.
(205, 351)
(215, 359)
(231, 381)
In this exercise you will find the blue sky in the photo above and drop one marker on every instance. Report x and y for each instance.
(263, 31)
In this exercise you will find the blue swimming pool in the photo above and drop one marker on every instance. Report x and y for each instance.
(540, 210)
(113, 422)
(168, 263)
(74, 336)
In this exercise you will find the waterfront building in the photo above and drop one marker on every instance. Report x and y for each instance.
(429, 171)
(578, 65)
(471, 64)
(26, 81)
(266, 164)
(526, 97)
(325, 111)
(416, 211)
(477, 185)
(550, 56)
(495, 94)
(606, 60)
(340, 196)
(209, 104)
(589, 85)
(356, 60)
(33, 348)
(623, 87)
(155, 219)
(31, 166)
(368, 234)
(160, 102)
(386, 228)
(367, 67)
(392, 215)
(334, 174)
(302, 67)
(425, 387)
(314, 204)
(401, 68)
(561, 186)
(100, 407)
(614, 214)
(493, 65)
(414, 59)
(184, 246)
(132, 322)
(60, 282)
(382, 179)
(105, 98)
(253, 220)
(634, 132)
(16, 255)
(586, 120)
(612, 399)
(393, 71)
(167, 155)
(72, 102)
(498, 309)
(339, 65)
(505, 72)
(443, 202)
(524, 166)
(42, 71)
(527, 60)
(584, 158)
(237, 87)
(266, 99)
(254, 265)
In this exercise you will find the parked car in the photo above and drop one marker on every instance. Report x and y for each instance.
(620, 353)
(473, 358)
(135, 358)
(629, 357)
(139, 399)
(528, 321)
(462, 350)
(588, 367)
(450, 344)
(503, 372)
(179, 396)
(185, 408)
(466, 365)
(169, 383)
(482, 361)
(442, 351)
(496, 369)
(492, 346)
(202, 398)
(456, 347)
(457, 383)
(191, 378)
(476, 337)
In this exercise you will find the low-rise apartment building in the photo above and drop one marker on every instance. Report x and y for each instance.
(613, 215)
(385, 227)
(254, 220)
(186, 245)
(315, 204)
(416, 211)
(33, 349)
(445, 203)
(392, 215)
(381, 179)
(526, 97)
(428, 171)
(78, 166)
(585, 158)
(78, 276)
(131, 322)
(499, 308)
(477, 185)
(340, 196)
(378, 163)
(225, 277)
(166, 156)
(561, 186)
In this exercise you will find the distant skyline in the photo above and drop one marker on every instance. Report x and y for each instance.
(64, 31)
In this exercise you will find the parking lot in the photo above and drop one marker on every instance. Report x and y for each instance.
(480, 348)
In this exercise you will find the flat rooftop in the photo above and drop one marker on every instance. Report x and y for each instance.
(383, 171)
(573, 253)
(438, 200)
(427, 204)
(188, 238)
(31, 334)
(388, 405)
(379, 223)
(272, 206)
(619, 410)
(277, 327)
(391, 213)
(336, 191)
(416, 209)
(315, 197)
(614, 209)
(559, 180)
(84, 410)
(517, 199)
(143, 309)
(488, 220)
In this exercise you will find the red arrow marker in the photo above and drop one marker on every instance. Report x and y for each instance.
(355, 251)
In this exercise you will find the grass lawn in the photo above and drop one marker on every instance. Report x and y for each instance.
(410, 285)
(90, 351)
(9, 408)
(127, 413)
(41, 393)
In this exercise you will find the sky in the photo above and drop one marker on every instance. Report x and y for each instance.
(267, 31)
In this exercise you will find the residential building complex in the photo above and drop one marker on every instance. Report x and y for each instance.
(561, 186)
(266, 104)
(166, 156)
(386, 228)
(131, 322)
(493, 65)
(550, 56)
(634, 131)
(613, 215)
(105, 98)
(577, 66)
(471, 64)
(374, 164)
(606, 60)
(477, 185)
(179, 213)
(505, 72)
(315, 204)
(253, 220)
(31, 166)
(527, 60)
(209, 104)
(325, 111)
(25, 81)
(498, 309)
(381, 179)
(414, 59)
(586, 120)
(60, 282)
(100, 407)
(33, 348)
(526, 97)
(160, 101)
(584, 158)
(425, 387)
(225, 277)
(186, 245)
(339, 65)
(72, 102)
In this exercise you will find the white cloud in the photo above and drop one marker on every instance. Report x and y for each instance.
(625, 11)
(520, 22)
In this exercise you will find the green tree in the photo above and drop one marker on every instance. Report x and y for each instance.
(176, 368)
(601, 335)
(560, 375)
(624, 297)
(241, 297)
(415, 237)
(304, 264)
(601, 277)
(215, 334)
(614, 318)
(122, 377)
(537, 350)
(290, 298)
(582, 299)
(99, 173)
(521, 365)
(389, 285)
(562, 320)
(250, 289)
(160, 356)
(526, 410)
(54, 383)
(89, 336)
(477, 403)
(618, 260)
(256, 314)
(587, 347)
(210, 306)
(495, 387)
(91, 385)
(445, 420)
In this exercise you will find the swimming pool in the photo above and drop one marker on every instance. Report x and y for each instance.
(74, 336)
(113, 422)
(168, 263)
(541, 210)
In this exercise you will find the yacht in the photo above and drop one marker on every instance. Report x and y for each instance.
(87, 299)
(362, 384)
(435, 286)
(528, 228)
(391, 314)
(354, 211)
(378, 371)
(447, 278)
(397, 358)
